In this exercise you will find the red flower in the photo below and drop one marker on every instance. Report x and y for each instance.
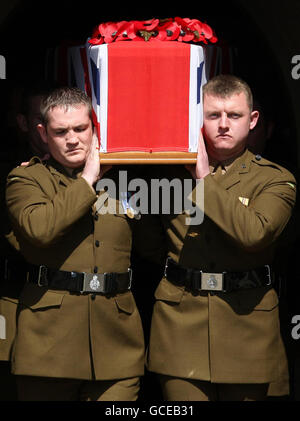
(97, 38)
(168, 31)
(126, 32)
(213, 39)
(197, 28)
(146, 25)
(209, 33)
(186, 33)
(180, 29)
(110, 30)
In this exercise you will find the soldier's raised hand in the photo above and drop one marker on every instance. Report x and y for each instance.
(201, 168)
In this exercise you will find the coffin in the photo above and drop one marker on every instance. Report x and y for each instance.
(147, 98)
(145, 80)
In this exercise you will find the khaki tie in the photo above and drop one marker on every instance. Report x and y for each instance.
(77, 173)
(218, 173)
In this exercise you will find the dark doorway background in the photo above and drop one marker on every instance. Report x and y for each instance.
(33, 27)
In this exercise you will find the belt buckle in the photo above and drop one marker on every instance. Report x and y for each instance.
(269, 275)
(212, 281)
(93, 282)
(42, 275)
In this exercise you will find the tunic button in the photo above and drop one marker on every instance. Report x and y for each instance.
(257, 157)
(95, 269)
(97, 243)
(93, 296)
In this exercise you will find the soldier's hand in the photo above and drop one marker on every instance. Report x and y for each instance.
(201, 168)
(92, 171)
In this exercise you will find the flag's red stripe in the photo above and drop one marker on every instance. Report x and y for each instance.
(148, 96)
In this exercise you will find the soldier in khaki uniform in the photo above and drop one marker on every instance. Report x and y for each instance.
(215, 329)
(25, 109)
(79, 334)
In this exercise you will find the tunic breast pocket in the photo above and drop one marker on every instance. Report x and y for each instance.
(38, 298)
(254, 300)
(125, 303)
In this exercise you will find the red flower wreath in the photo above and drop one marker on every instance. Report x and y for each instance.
(171, 29)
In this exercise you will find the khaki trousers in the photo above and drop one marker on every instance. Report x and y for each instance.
(54, 389)
(177, 389)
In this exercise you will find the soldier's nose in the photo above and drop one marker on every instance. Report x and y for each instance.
(223, 122)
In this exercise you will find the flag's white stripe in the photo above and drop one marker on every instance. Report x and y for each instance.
(98, 54)
(195, 110)
(102, 117)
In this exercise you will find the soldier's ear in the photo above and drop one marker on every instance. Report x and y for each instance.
(22, 122)
(254, 116)
(43, 132)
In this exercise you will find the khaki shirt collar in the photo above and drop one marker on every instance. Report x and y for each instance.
(227, 164)
(233, 172)
(65, 174)
(69, 172)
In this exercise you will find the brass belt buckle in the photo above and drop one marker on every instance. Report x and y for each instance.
(212, 281)
(93, 282)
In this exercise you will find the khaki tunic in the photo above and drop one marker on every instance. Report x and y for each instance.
(59, 333)
(225, 337)
(9, 291)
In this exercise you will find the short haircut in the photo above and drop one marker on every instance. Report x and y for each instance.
(224, 86)
(66, 97)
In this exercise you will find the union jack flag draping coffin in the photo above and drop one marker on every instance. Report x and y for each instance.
(147, 96)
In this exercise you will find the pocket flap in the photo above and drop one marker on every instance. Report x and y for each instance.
(10, 299)
(256, 299)
(269, 301)
(125, 303)
(166, 291)
(36, 297)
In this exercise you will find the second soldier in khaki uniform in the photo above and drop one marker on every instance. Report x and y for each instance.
(215, 331)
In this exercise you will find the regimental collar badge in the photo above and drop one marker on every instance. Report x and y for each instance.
(129, 210)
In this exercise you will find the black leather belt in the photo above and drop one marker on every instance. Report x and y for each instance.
(13, 270)
(197, 280)
(105, 283)
(12, 276)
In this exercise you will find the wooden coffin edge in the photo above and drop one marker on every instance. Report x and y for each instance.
(119, 158)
